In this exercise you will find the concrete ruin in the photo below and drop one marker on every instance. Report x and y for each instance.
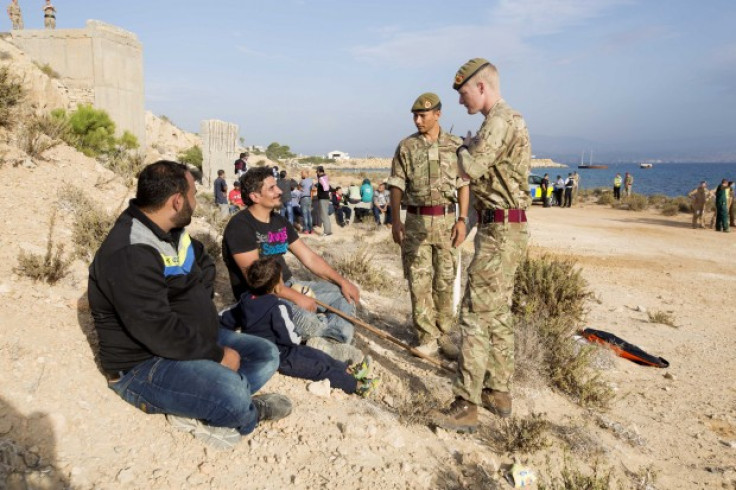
(219, 148)
(100, 65)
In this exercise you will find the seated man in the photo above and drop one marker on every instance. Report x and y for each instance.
(381, 205)
(161, 346)
(258, 232)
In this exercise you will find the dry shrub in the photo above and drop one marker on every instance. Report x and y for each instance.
(606, 199)
(670, 209)
(573, 479)
(518, 435)
(211, 245)
(549, 299)
(49, 268)
(91, 222)
(126, 164)
(416, 409)
(635, 202)
(360, 268)
(47, 70)
(11, 97)
(662, 317)
(40, 133)
(657, 200)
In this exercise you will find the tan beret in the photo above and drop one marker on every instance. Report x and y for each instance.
(426, 102)
(467, 71)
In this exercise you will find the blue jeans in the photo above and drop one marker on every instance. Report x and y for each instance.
(306, 205)
(308, 324)
(204, 389)
(287, 211)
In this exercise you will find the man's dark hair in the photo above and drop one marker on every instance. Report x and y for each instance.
(242, 155)
(159, 181)
(220, 173)
(282, 174)
(252, 181)
(263, 275)
(320, 169)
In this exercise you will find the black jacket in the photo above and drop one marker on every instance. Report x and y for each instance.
(150, 294)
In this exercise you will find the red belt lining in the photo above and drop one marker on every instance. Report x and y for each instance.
(498, 215)
(431, 210)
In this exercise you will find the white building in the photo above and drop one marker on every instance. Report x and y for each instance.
(338, 155)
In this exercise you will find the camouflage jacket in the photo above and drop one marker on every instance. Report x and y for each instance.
(426, 172)
(499, 160)
(14, 10)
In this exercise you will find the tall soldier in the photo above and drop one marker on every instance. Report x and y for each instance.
(424, 176)
(497, 162)
(49, 15)
(16, 16)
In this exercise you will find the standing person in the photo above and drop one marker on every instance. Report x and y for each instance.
(731, 205)
(16, 16)
(559, 189)
(617, 181)
(722, 206)
(544, 187)
(284, 184)
(323, 196)
(628, 184)
(575, 187)
(424, 178)
(382, 205)
(305, 202)
(497, 162)
(235, 199)
(569, 186)
(258, 232)
(700, 196)
(241, 165)
(49, 15)
(150, 291)
(220, 189)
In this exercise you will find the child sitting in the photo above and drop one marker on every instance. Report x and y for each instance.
(260, 312)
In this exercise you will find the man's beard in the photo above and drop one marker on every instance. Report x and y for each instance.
(184, 216)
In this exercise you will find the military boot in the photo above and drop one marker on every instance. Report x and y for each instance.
(498, 402)
(461, 416)
(448, 348)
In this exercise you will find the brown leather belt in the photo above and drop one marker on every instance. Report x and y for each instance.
(501, 215)
(431, 210)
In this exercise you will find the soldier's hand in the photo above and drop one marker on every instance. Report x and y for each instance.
(230, 359)
(459, 231)
(468, 139)
(397, 230)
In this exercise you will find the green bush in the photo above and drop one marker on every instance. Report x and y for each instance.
(91, 130)
(11, 96)
(192, 156)
(276, 151)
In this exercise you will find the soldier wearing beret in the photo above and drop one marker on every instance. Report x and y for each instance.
(16, 16)
(424, 178)
(497, 162)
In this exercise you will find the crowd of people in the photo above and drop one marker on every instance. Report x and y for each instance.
(725, 207)
(164, 347)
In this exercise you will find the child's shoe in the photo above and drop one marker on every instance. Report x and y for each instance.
(367, 386)
(361, 370)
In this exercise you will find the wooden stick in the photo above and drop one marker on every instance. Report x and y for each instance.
(384, 335)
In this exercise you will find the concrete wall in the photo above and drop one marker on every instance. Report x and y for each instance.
(100, 64)
(219, 149)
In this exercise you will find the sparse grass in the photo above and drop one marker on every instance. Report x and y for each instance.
(386, 247)
(126, 164)
(40, 133)
(518, 435)
(415, 410)
(360, 268)
(662, 317)
(48, 71)
(573, 479)
(549, 299)
(91, 222)
(12, 95)
(670, 209)
(635, 202)
(4, 55)
(211, 245)
(606, 199)
(49, 268)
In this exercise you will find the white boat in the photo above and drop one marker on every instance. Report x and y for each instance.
(645, 165)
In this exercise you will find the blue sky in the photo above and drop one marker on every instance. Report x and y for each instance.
(652, 76)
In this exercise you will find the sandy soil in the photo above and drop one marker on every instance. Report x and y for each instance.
(61, 425)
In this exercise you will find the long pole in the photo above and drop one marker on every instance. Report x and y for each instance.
(384, 335)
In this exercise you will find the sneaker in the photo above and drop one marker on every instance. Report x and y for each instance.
(367, 386)
(271, 406)
(498, 402)
(362, 370)
(428, 348)
(342, 352)
(448, 348)
(217, 437)
(460, 416)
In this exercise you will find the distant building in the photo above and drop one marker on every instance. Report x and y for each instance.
(338, 155)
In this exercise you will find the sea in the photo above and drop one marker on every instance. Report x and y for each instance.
(670, 179)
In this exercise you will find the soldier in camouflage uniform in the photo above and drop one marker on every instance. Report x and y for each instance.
(49, 15)
(16, 17)
(497, 162)
(424, 178)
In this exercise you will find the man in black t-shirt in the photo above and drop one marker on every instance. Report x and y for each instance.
(257, 232)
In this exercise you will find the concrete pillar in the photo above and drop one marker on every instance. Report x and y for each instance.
(219, 149)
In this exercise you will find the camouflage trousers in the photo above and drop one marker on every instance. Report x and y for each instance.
(486, 322)
(429, 265)
(17, 22)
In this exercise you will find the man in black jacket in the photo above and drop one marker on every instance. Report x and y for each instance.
(160, 344)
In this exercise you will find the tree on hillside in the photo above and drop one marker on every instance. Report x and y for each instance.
(275, 151)
(192, 156)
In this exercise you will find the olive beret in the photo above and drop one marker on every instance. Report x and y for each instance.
(426, 102)
(467, 71)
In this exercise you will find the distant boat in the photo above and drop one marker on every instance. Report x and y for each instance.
(645, 165)
(590, 163)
